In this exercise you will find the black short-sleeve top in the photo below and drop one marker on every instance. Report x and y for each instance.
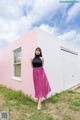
(37, 62)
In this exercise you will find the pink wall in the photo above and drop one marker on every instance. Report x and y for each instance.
(28, 44)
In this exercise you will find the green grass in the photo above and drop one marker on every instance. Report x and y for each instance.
(63, 96)
(61, 106)
(75, 104)
(68, 117)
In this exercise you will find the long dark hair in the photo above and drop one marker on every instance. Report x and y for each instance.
(40, 55)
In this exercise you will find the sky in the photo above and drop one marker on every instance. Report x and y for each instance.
(20, 16)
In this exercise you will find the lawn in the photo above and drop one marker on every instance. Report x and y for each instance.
(61, 106)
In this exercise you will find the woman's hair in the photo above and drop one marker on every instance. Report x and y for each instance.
(38, 48)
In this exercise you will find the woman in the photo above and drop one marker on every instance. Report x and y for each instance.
(41, 83)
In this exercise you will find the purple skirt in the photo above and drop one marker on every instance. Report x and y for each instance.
(41, 84)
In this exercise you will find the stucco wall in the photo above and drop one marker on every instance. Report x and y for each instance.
(54, 62)
(28, 44)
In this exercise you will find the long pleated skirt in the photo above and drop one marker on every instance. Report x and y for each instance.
(41, 84)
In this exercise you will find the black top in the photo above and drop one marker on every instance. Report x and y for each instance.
(37, 62)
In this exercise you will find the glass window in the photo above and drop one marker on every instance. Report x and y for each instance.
(17, 62)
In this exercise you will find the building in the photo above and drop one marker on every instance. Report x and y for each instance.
(61, 63)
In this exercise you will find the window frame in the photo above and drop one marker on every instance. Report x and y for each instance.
(13, 65)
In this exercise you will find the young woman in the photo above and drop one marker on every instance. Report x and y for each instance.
(41, 84)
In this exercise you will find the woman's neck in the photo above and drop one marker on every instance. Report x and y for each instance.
(37, 55)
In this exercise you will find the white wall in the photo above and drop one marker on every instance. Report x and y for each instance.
(70, 69)
(53, 61)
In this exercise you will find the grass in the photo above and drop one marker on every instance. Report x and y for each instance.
(67, 117)
(75, 104)
(61, 106)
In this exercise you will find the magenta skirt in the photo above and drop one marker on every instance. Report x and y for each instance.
(41, 84)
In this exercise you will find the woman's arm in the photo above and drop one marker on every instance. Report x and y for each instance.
(42, 60)
(31, 63)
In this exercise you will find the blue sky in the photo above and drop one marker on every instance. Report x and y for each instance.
(19, 16)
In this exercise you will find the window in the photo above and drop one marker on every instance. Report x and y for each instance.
(69, 51)
(17, 63)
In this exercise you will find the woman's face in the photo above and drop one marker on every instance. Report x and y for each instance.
(37, 52)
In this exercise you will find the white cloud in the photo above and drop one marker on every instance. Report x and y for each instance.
(13, 8)
(73, 12)
(42, 10)
(18, 16)
(71, 37)
(49, 29)
(68, 36)
(13, 23)
(13, 29)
